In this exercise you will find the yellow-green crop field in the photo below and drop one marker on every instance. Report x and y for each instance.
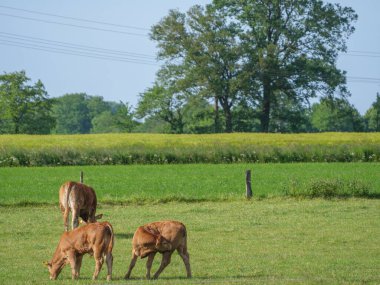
(108, 149)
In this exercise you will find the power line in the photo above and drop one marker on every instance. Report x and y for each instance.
(74, 18)
(74, 25)
(368, 52)
(71, 52)
(74, 46)
(360, 55)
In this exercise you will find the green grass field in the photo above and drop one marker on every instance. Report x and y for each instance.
(163, 183)
(273, 241)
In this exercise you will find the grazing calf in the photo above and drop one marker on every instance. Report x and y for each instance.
(164, 237)
(81, 200)
(96, 239)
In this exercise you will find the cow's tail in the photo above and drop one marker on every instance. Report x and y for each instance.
(184, 233)
(111, 241)
(68, 188)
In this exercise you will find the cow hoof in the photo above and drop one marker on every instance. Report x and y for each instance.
(109, 278)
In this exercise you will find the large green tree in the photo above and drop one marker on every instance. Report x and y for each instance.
(266, 50)
(24, 108)
(202, 47)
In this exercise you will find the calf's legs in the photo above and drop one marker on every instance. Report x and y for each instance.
(98, 264)
(109, 261)
(131, 265)
(166, 256)
(186, 260)
(149, 264)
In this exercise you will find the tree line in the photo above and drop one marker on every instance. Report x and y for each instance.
(229, 66)
(27, 109)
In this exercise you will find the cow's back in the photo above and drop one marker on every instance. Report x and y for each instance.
(173, 231)
(86, 238)
(74, 194)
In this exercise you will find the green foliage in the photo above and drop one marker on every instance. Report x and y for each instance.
(163, 103)
(118, 121)
(265, 242)
(333, 114)
(72, 114)
(330, 188)
(24, 108)
(372, 116)
(82, 114)
(270, 53)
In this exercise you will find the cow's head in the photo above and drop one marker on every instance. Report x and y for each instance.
(162, 244)
(55, 267)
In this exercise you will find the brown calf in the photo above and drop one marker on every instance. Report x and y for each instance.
(81, 200)
(164, 237)
(96, 239)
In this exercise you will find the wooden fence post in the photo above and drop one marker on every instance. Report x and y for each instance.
(248, 192)
(81, 177)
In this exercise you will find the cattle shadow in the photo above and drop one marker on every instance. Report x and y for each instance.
(124, 235)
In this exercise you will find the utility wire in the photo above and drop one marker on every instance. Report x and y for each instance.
(74, 25)
(74, 46)
(105, 56)
(76, 19)
(71, 52)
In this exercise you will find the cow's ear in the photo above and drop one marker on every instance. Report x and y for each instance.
(45, 263)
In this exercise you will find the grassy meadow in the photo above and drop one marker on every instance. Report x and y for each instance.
(308, 223)
(125, 184)
(109, 149)
(274, 241)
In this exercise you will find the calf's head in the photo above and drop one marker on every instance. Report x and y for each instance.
(163, 244)
(55, 267)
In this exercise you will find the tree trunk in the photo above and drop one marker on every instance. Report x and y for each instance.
(265, 113)
(228, 114)
(216, 116)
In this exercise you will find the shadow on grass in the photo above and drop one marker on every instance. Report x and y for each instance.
(124, 235)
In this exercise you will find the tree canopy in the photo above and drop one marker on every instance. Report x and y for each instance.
(263, 52)
(24, 108)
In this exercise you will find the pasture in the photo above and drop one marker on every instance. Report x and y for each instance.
(275, 238)
(187, 183)
(272, 241)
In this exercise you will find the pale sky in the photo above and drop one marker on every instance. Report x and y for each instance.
(38, 37)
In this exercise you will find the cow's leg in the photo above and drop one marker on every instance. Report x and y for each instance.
(78, 264)
(74, 217)
(186, 259)
(65, 215)
(98, 264)
(73, 264)
(133, 262)
(109, 261)
(149, 264)
(166, 256)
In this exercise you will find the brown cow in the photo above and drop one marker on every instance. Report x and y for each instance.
(96, 239)
(163, 237)
(81, 200)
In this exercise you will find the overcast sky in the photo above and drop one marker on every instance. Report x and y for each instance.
(118, 61)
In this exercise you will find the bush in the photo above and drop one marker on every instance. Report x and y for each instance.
(329, 188)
